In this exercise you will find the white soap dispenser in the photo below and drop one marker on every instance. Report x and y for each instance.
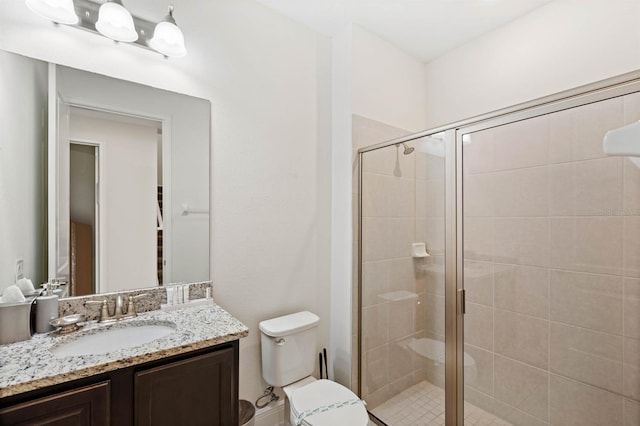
(46, 309)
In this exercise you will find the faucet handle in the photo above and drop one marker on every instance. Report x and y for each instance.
(131, 308)
(104, 311)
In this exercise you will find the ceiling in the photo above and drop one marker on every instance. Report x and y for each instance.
(423, 28)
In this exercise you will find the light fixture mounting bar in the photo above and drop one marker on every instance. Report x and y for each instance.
(87, 12)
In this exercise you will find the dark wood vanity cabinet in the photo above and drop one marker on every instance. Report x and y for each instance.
(196, 388)
(195, 391)
(87, 405)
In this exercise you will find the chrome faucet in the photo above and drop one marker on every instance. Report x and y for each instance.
(119, 311)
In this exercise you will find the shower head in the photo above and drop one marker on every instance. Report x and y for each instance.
(407, 149)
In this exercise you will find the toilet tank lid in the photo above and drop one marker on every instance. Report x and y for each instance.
(289, 324)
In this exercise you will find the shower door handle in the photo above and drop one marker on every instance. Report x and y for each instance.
(462, 302)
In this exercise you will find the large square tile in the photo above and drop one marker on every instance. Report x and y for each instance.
(523, 338)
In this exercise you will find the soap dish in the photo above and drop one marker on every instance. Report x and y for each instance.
(68, 324)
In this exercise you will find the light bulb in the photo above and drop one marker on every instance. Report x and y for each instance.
(168, 38)
(115, 22)
(60, 11)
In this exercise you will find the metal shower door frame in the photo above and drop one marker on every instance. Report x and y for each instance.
(454, 214)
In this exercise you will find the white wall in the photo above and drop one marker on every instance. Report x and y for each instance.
(23, 102)
(562, 45)
(129, 159)
(388, 84)
(268, 79)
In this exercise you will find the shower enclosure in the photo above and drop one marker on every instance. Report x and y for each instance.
(499, 268)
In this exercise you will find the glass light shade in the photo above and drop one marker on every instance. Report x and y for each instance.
(61, 11)
(168, 40)
(115, 22)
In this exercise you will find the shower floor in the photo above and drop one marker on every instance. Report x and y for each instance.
(423, 405)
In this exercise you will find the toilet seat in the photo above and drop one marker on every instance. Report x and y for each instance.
(338, 405)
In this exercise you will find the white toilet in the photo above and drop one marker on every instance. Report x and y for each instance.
(288, 359)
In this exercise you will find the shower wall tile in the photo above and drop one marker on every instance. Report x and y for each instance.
(400, 237)
(478, 326)
(420, 313)
(632, 308)
(374, 239)
(556, 285)
(587, 300)
(402, 277)
(522, 386)
(586, 188)
(433, 270)
(631, 413)
(423, 203)
(576, 134)
(631, 369)
(521, 144)
(483, 380)
(375, 366)
(375, 321)
(522, 338)
(479, 399)
(478, 238)
(374, 195)
(587, 356)
(591, 122)
(632, 246)
(631, 105)
(433, 199)
(515, 416)
(390, 224)
(631, 188)
(366, 132)
(401, 319)
(589, 244)
(478, 195)
(428, 167)
(478, 153)
(401, 360)
(376, 278)
(522, 289)
(401, 197)
(478, 282)
(391, 162)
(522, 241)
(561, 144)
(576, 404)
(376, 398)
(521, 192)
(401, 384)
(434, 314)
(432, 235)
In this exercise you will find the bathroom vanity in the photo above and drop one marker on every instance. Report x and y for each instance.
(189, 376)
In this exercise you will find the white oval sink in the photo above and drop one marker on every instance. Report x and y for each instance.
(112, 339)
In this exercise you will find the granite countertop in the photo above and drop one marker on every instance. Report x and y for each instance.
(29, 365)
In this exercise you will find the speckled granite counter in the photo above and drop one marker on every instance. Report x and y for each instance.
(29, 365)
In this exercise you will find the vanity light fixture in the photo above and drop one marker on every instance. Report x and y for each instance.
(111, 19)
(60, 11)
(167, 37)
(116, 22)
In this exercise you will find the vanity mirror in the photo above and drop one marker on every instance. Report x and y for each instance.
(102, 181)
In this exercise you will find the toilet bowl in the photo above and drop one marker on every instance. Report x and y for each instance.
(288, 360)
(323, 403)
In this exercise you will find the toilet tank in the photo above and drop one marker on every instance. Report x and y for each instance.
(288, 347)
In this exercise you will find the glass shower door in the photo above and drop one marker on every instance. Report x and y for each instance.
(402, 281)
(551, 270)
